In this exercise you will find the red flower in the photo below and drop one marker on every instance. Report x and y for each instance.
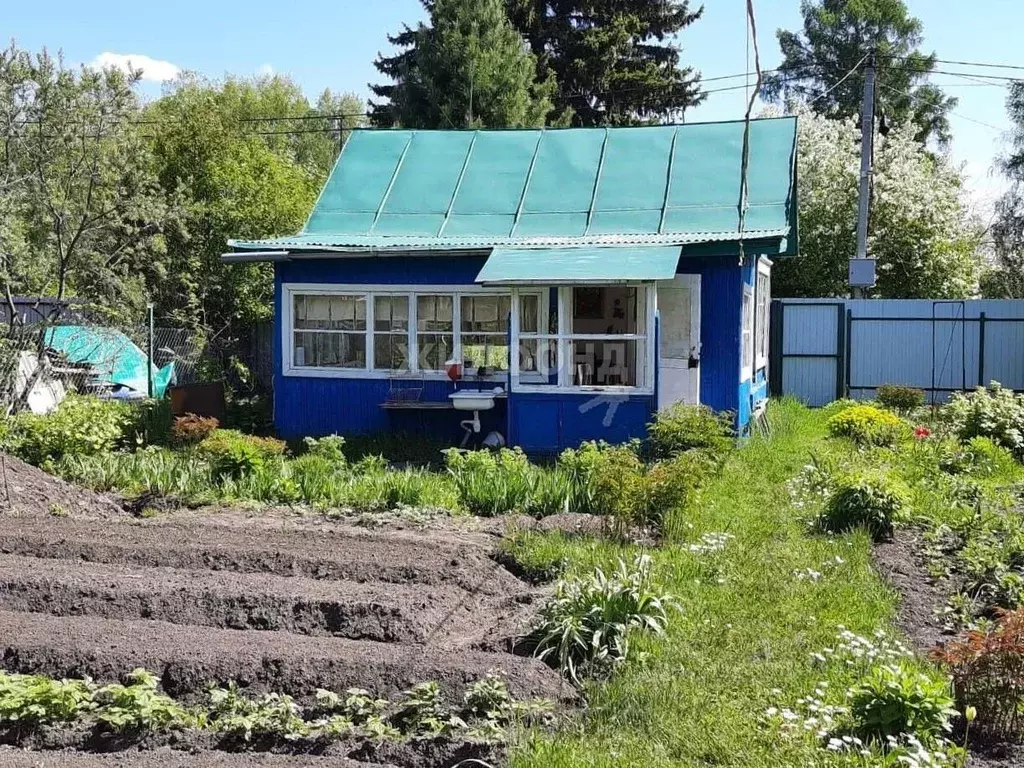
(922, 432)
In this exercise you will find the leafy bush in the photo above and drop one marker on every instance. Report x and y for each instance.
(138, 707)
(895, 700)
(422, 712)
(80, 426)
(328, 448)
(988, 674)
(995, 413)
(867, 500)
(270, 714)
(987, 457)
(685, 427)
(867, 425)
(491, 483)
(235, 454)
(32, 700)
(900, 398)
(190, 429)
(584, 629)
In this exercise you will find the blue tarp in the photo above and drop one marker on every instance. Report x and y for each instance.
(114, 358)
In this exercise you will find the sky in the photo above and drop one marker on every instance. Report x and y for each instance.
(332, 44)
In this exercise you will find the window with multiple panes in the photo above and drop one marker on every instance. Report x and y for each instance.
(391, 332)
(484, 325)
(762, 314)
(747, 335)
(435, 330)
(329, 331)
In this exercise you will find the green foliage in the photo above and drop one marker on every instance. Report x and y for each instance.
(899, 398)
(685, 427)
(996, 413)
(819, 64)
(327, 448)
(867, 425)
(922, 231)
(237, 455)
(584, 629)
(422, 713)
(987, 457)
(467, 68)
(492, 483)
(192, 430)
(270, 714)
(77, 217)
(150, 422)
(864, 500)
(33, 700)
(235, 182)
(897, 700)
(138, 707)
(80, 426)
(616, 63)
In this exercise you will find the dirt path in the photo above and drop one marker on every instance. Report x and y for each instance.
(286, 605)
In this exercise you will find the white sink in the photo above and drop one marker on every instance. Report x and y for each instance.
(472, 400)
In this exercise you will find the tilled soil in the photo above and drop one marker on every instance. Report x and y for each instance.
(11, 757)
(276, 605)
(28, 490)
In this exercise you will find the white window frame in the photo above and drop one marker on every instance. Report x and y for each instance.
(747, 312)
(564, 338)
(290, 290)
(762, 313)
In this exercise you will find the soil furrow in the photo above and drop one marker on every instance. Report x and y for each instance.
(167, 758)
(380, 612)
(317, 552)
(188, 658)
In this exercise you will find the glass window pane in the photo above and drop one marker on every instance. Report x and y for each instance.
(390, 352)
(434, 312)
(329, 350)
(608, 309)
(539, 356)
(604, 363)
(529, 313)
(434, 351)
(391, 313)
(339, 313)
(487, 350)
(486, 314)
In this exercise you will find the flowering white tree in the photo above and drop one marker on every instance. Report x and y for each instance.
(921, 230)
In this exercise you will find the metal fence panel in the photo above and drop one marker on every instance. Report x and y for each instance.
(939, 346)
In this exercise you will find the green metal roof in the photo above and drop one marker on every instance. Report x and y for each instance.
(442, 190)
(579, 265)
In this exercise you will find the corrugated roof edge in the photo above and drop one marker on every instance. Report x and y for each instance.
(364, 129)
(274, 248)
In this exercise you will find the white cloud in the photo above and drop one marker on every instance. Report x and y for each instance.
(265, 70)
(154, 70)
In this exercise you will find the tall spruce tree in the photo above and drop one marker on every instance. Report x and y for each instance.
(836, 36)
(615, 61)
(469, 68)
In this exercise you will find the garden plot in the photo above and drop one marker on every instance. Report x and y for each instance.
(278, 606)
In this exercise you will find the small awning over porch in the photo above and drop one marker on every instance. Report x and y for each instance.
(575, 266)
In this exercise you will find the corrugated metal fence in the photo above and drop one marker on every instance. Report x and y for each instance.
(823, 349)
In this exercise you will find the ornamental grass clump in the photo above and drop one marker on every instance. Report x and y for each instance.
(867, 425)
(584, 629)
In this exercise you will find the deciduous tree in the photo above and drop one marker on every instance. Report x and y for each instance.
(1005, 278)
(920, 230)
(837, 34)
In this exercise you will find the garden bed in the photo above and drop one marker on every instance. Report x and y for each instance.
(285, 605)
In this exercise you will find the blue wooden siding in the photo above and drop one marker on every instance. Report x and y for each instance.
(539, 422)
(542, 423)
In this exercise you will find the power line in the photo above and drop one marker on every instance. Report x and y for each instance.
(911, 95)
(842, 80)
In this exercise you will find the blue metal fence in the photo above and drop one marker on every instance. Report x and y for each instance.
(823, 349)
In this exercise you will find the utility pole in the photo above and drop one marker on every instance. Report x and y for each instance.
(862, 269)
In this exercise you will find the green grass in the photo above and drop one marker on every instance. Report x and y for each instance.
(748, 627)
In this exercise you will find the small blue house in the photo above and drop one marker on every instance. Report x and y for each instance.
(566, 283)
